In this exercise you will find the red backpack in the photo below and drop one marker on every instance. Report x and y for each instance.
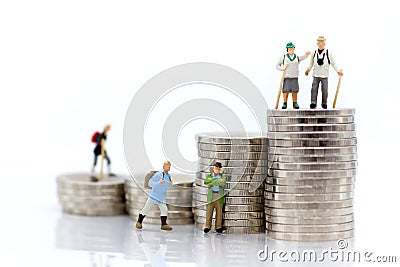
(94, 137)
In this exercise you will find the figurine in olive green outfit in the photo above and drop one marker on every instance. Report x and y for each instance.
(215, 198)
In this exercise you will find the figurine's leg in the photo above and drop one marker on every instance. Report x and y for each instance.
(164, 213)
(107, 158)
(294, 98)
(218, 217)
(285, 99)
(209, 215)
(324, 89)
(314, 92)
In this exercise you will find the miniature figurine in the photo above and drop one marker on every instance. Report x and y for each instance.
(289, 64)
(320, 62)
(159, 182)
(100, 139)
(215, 197)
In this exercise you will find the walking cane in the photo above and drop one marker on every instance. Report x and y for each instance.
(337, 91)
(280, 90)
(101, 175)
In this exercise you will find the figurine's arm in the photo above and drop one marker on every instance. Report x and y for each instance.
(333, 63)
(279, 65)
(220, 181)
(209, 180)
(301, 58)
(310, 65)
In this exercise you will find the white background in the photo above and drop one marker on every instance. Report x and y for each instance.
(69, 67)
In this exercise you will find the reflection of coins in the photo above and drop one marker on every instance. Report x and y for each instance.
(231, 148)
(313, 159)
(77, 194)
(178, 199)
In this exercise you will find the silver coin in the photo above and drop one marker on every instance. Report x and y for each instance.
(310, 220)
(318, 182)
(233, 200)
(309, 112)
(314, 166)
(310, 120)
(155, 213)
(315, 174)
(234, 215)
(309, 189)
(231, 185)
(178, 221)
(222, 138)
(308, 204)
(230, 192)
(231, 148)
(308, 212)
(232, 155)
(234, 163)
(85, 180)
(95, 212)
(237, 230)
(311, 236)
(74, 192)
(310, 159)
(327, 228)
(312, 150)
(114, 205)
(312, 128)
(312, 143)
(234, 223)
(236, 170)
(308, 197)
(91, 198)
(312, 135)
(236, 208)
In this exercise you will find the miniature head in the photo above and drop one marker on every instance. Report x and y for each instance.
(167, 166)
(290, 48)
(107, 128)
(217, 167)
(321, 42)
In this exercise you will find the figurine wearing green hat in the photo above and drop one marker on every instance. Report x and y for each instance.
(289, 63)
(320, 63)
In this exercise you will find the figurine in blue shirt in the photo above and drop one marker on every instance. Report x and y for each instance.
(160, 182)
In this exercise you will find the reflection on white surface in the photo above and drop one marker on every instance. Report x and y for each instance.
(113, 241)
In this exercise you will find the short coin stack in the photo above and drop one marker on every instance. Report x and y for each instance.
(313, 160)
(244, 162)
(178, 198)
(79, 195)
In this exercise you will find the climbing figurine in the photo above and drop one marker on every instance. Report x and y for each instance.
(289, 64)
(99, 139)
(320, 62)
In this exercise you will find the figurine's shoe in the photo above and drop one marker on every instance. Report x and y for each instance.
(206, 230)
(296, 106)
(284, 106)
(111, 174)
(94, 178)
(219, 230)
(166, 227)
(324, 106)
(312, 105)
(139, 225)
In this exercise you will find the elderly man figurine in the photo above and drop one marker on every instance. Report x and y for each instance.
(320, 62)
(289, 63)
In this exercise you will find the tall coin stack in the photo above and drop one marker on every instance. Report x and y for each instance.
(79, 195)
(313, 160)
(178, 198)
(244, 162)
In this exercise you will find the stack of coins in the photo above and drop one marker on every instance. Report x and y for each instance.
(178, 198)
(313, 160)
(244, 163)
(79, 195)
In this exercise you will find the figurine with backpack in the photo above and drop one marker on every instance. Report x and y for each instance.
(99, 138)
(158, 182)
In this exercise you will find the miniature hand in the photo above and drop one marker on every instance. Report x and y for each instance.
(170, 183)
(162, 182)
(308, 53)
(285, 67)
(306, 73)
(340, 73)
